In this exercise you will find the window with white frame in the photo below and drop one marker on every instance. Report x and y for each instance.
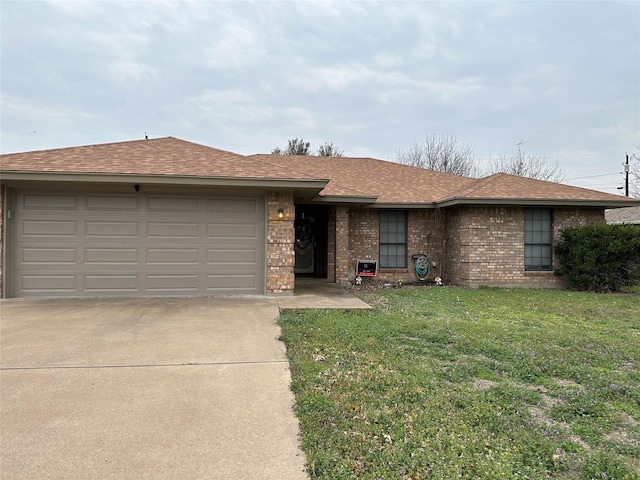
(393, 239)
(538, 239)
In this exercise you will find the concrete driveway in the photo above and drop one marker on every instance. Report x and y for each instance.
(145, 389)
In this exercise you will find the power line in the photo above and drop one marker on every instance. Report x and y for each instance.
(595, 176)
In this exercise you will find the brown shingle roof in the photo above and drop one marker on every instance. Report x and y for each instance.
(162, 156)
(502, 186)
(369, 179)
(390, 182)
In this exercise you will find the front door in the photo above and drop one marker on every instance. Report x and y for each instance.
(311, 241)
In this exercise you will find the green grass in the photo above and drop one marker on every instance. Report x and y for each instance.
(475, 384)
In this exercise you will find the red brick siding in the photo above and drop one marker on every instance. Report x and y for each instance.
(485, 244)
(425, 234)
(280, 240)
(342, 244)
(364, 236)
(331, 245)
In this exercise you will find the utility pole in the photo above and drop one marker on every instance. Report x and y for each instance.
(626, 177)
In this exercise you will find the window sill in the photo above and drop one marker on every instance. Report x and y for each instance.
(538, 273)
(393, 270)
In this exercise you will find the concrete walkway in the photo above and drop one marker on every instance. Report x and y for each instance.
(320, 295)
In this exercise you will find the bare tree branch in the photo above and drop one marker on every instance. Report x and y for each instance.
(634, 173)
(527, 165)
(440, 153)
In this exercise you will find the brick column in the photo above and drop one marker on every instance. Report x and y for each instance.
(331, 245)
(280, 244)
(342, 245)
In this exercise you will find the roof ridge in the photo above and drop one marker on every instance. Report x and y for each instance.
(468, 190)
(379, 160)
(106, 144)
(125, 143)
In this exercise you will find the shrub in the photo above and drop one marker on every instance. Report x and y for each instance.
(600, 257)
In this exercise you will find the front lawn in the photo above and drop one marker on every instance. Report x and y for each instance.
(448, 383)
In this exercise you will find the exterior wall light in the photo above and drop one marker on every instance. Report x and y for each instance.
(280, 213)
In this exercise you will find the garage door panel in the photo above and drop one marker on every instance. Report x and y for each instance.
(110, 283)
(172, 282)
(233, 206)
(111, 229)
(236, 281)
(171, 204)
(48, 284)
(245, 257)
(48, 228)
(109, 256)
(126, 245)
(232, 231)
(163, 256)
(40, 202)
(111, 203)
(44, 255)
(173, 230)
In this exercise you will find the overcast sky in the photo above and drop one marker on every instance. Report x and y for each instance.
(562, 77)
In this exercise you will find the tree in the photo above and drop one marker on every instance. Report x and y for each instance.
(296, 146)
(527, 165)
(440, 153)
(330, 149)
(634, 173)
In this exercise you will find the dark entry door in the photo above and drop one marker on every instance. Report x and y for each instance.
(311, 241)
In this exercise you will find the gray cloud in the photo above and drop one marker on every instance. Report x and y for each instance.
(372, 77)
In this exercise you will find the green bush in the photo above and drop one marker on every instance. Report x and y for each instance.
(600, 257)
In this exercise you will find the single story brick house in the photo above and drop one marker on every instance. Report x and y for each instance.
(170, 217)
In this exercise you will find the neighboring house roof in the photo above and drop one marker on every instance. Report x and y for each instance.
(630, 215)
(365, 181)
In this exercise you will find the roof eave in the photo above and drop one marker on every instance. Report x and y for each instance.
(403, 205)
(284, 183)
(345, 199)
(543, 202)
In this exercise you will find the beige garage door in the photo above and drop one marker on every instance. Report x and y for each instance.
(92, 244)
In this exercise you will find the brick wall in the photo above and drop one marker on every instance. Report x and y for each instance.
(485, 244)
(331, 245)
(425, 234)
(342, 245)
(280, 242)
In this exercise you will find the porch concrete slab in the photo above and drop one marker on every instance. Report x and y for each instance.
(321, 295)
(146, 389)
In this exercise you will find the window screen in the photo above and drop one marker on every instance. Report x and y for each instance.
(393, 239)
(538, 239)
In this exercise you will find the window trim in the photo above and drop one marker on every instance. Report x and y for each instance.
(540, 267)
(405, 242)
